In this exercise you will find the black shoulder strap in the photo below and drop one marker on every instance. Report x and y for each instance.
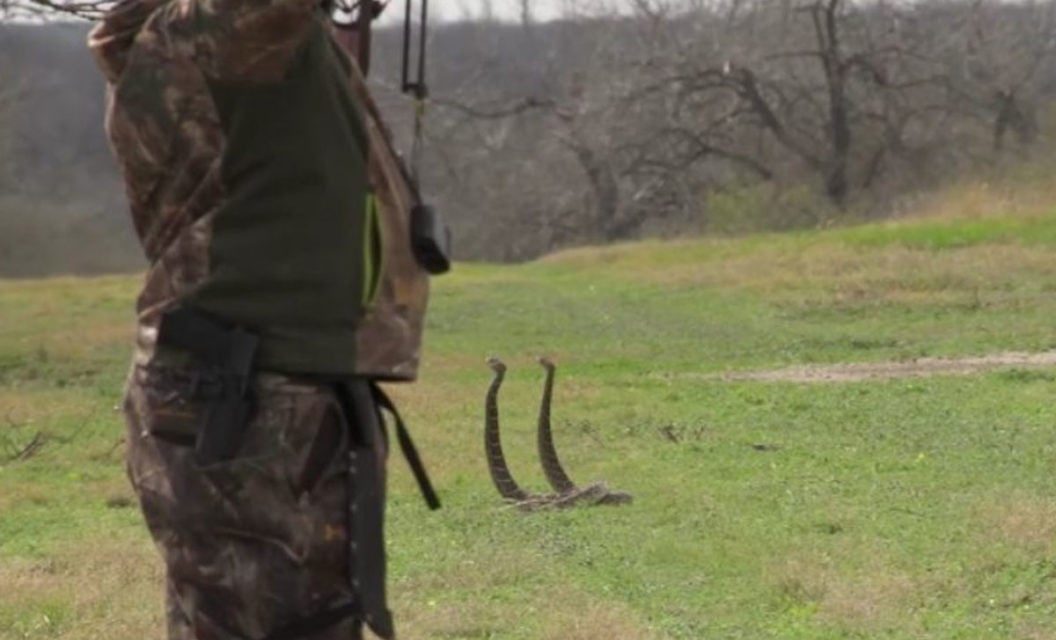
(410, 452)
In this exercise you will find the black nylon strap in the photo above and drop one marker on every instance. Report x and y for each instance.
(410, 452)
(366, 517)
(314, 624)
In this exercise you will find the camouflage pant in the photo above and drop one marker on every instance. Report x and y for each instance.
(255, 545)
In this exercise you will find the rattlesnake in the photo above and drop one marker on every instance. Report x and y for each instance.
(566, 492)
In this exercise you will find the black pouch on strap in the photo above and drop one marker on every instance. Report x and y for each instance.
(227, 355)
(430, 239)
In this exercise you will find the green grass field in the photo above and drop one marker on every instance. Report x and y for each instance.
(902, 508)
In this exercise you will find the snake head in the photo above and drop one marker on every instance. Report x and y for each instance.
(546, 362)
(498, 366)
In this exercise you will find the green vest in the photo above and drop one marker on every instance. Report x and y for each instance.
(295, 253)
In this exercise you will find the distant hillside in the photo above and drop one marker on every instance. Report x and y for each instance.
(686, 120)
(61, 208)
(61, 203)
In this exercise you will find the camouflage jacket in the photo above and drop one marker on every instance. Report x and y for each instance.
(261, 184)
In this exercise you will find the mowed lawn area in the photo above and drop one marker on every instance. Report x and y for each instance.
(898, 508)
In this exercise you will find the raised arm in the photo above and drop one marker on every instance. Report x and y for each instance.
(248, 41)
(232, 41)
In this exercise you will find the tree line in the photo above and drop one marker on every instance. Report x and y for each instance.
(688, 116)
(655, 117)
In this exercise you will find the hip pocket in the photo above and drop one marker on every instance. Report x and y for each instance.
(165, 405)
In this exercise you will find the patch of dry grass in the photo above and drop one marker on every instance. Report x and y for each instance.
(892, 273)
(884, 269)
(1035, 632)
(1026, 195)
(866, 601)
(1022, 520)
(109, 589)
(547, 612)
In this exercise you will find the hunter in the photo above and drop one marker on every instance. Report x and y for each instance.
(280, 288)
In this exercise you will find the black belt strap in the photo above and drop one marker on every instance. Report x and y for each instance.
(230, 349)
(410, 452)
(227, 353)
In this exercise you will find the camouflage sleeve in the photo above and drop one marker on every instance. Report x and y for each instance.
(251, 41)
(111, 39)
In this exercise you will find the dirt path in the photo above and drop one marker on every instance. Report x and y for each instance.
(919, 368)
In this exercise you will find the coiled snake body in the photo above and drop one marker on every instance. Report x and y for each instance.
(565, 492)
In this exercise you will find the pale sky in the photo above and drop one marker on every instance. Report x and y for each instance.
(501, 9)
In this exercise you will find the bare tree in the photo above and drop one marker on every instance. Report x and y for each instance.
(38, 9)
(600, 127)
(996, 56)
(823, 89)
